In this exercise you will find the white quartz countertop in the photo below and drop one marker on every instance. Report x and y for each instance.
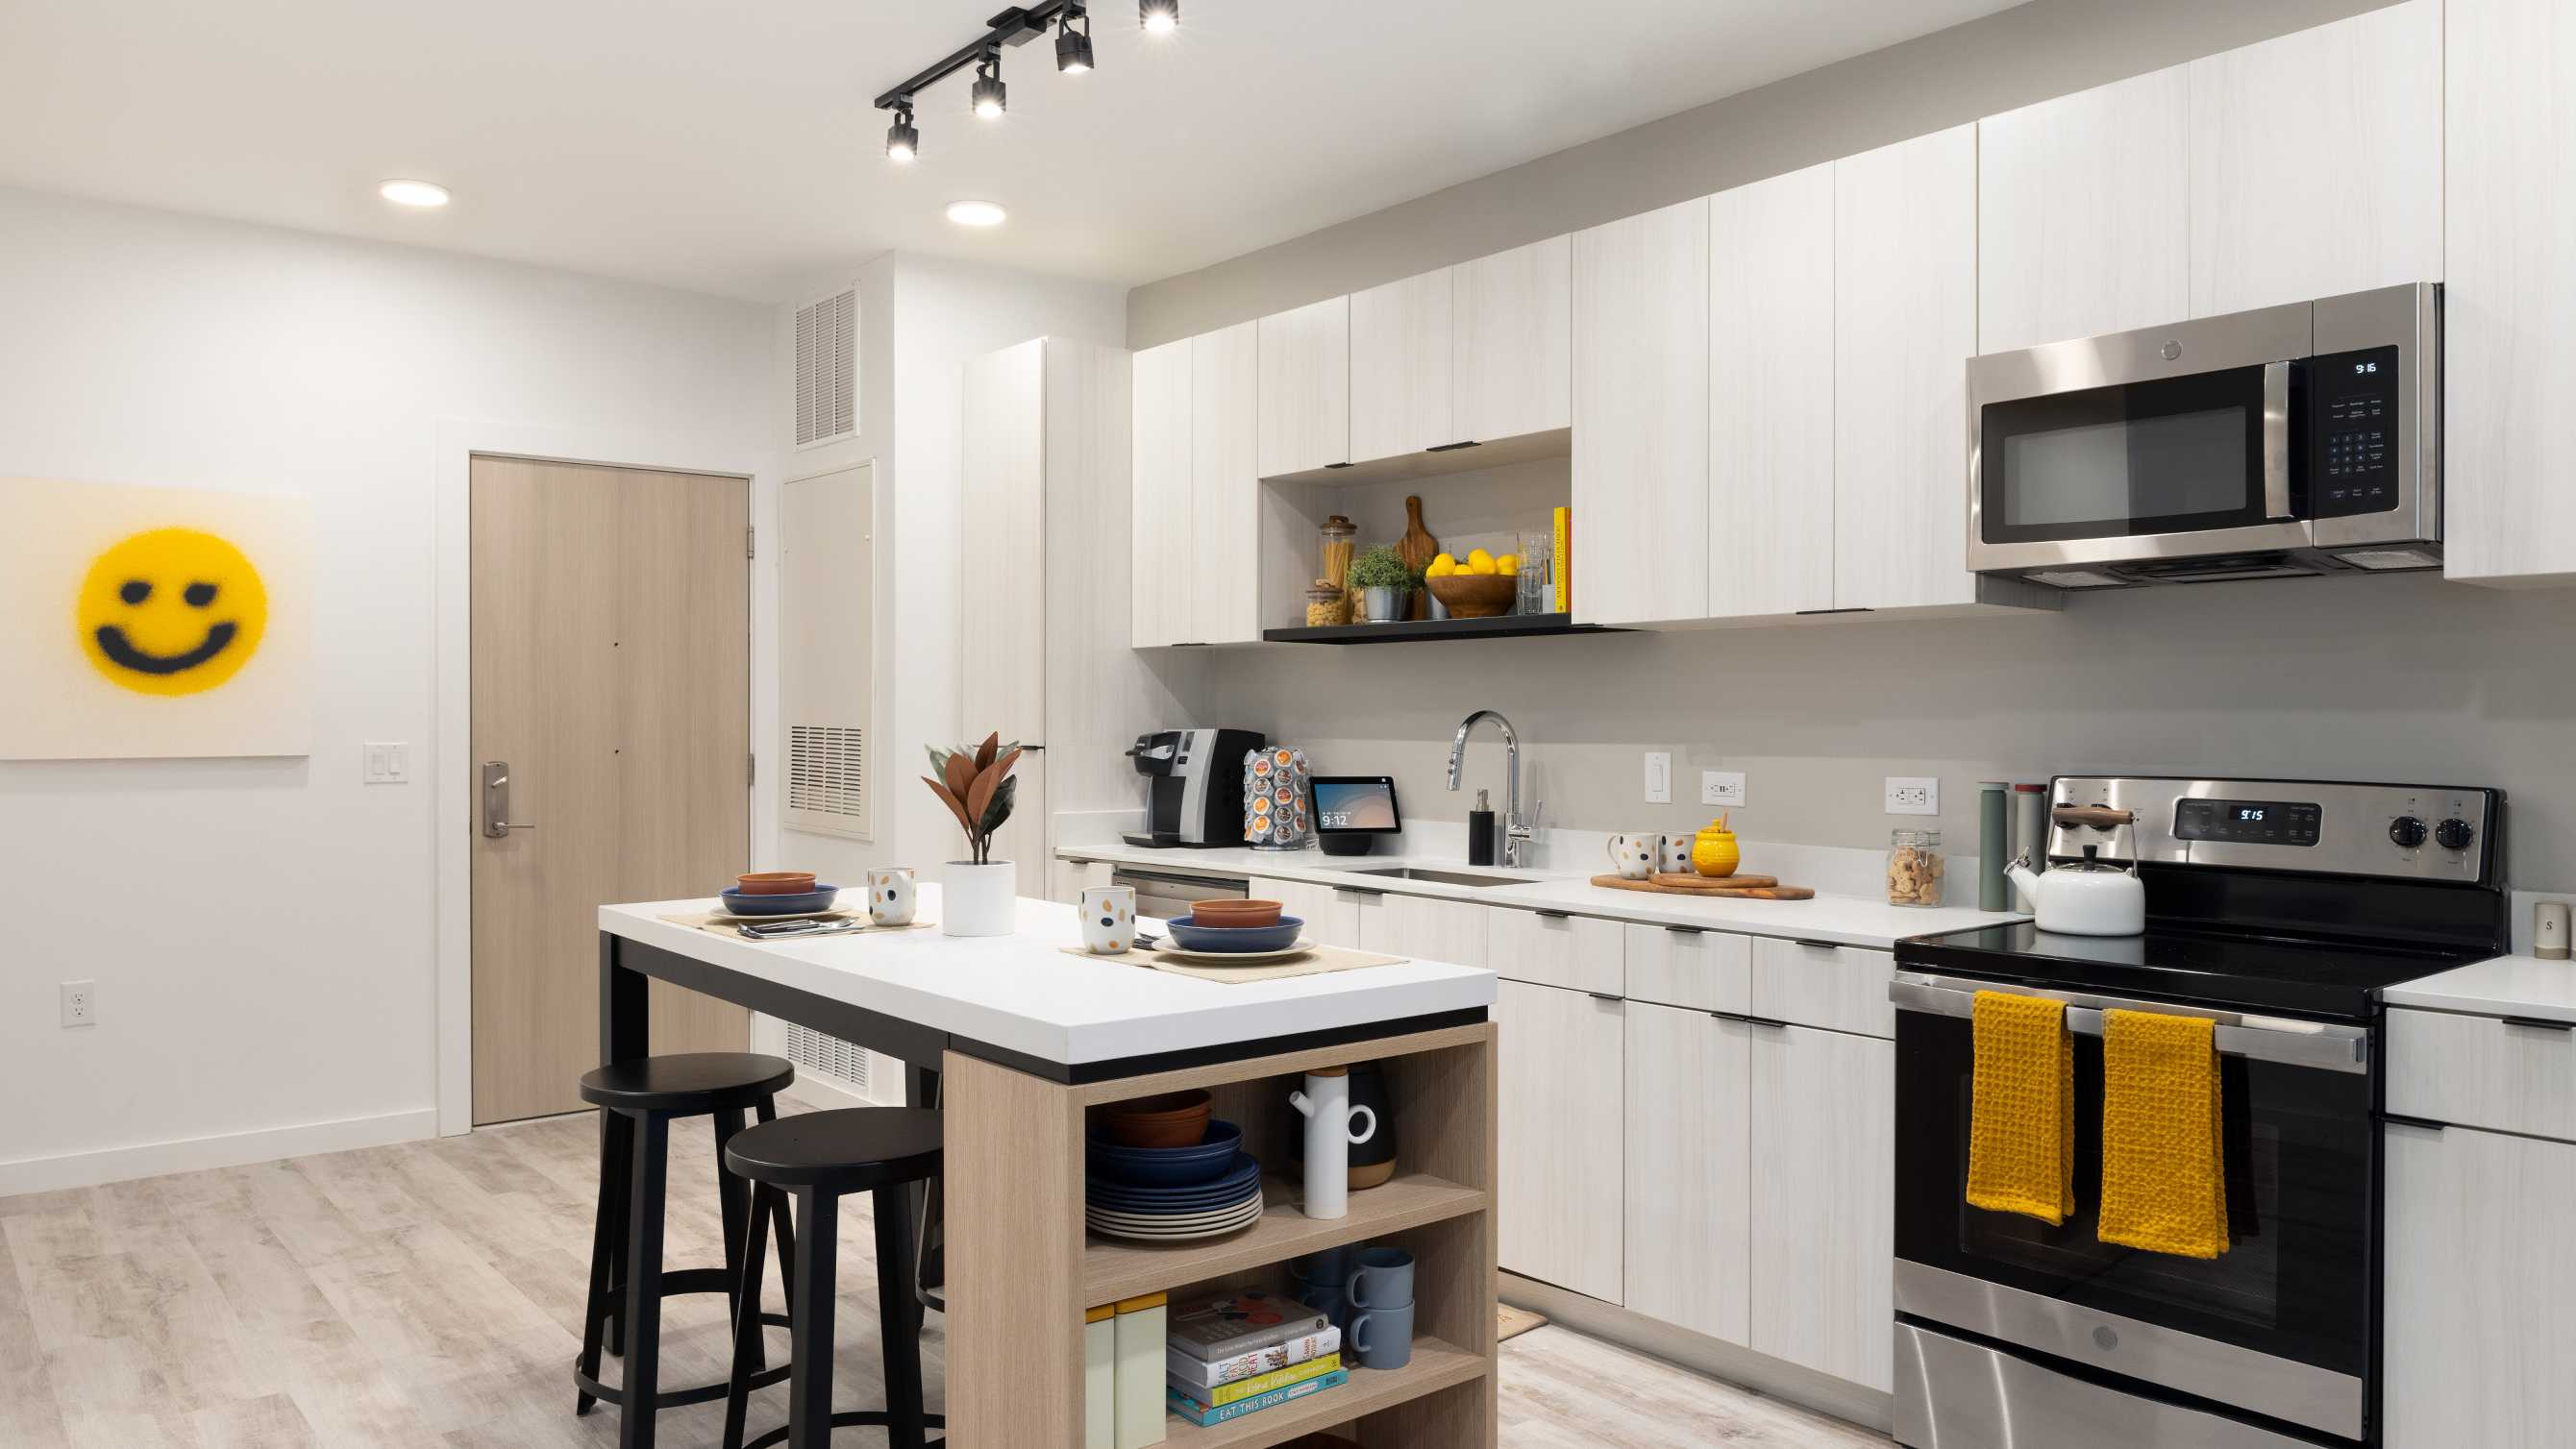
(1842, 919)
(2504, 986)
(1022, 993)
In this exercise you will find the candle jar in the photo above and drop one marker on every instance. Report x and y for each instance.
(1915, 869)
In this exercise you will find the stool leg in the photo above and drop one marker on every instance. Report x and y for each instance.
(617, 1145)
(733, 1199)
(746, 1318)
(644, 1283)
(809, 1376)
(899, 1317)
(767, 1111)
(603, 1239)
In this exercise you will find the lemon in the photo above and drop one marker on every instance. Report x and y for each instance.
(1509, 564)
(1440, 567)
(1477, 559)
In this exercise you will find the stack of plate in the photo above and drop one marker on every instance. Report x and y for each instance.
(1169, 1194)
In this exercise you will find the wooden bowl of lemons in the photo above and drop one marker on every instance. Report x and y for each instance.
(1477, 587)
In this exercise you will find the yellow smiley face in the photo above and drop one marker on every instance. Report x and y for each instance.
(172, 611)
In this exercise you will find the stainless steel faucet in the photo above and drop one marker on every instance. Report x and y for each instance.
(1516, 831)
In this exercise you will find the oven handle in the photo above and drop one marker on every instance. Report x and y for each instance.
(2276, 442)
(2258, 1038)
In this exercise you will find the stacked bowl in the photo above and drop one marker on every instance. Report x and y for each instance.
(1161, 1171)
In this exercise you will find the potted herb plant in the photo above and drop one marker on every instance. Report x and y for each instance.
(978, 895)
(1381, 580)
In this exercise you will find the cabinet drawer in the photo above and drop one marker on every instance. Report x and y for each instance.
(1424, 928)
(1685, 966)
(2483, 1071)
(1812, 983)
(1551, 948)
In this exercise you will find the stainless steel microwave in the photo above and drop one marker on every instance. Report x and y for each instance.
(2300, 439)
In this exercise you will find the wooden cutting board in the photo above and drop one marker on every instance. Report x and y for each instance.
(1417, 548)
(1731, 887)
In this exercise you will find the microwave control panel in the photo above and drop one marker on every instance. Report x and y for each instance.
(2352, 398)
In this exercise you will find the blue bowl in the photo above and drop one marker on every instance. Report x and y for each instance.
(1177, 1201)
(1191, 936)
(801, 903)
(1112, 1162)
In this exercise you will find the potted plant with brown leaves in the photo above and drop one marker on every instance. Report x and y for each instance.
(979, 895)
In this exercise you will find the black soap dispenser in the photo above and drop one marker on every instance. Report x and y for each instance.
(1480, 833)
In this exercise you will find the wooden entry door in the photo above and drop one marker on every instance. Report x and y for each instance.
(611, 638)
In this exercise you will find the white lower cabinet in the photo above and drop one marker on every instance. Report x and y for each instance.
(1073, 877)
(1822, 1170)
(1423, 926)
(1563, 1091)
(1555, 948)
(2480, 1288)
(1689, 1211)
(1332, 917)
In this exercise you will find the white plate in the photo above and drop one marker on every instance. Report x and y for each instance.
(1112, 1230)
(1229, 958)
(1249, 1207)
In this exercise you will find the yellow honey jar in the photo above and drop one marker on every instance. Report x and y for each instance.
(1713, 851)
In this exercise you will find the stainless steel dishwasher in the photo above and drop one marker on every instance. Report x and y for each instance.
(1164, 894)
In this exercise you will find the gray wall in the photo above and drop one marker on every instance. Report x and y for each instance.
(2372, 678)
(2030, 53)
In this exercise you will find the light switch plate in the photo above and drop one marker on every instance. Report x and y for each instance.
(388, 762)
(1913, 795)
(1659, 777)
(1721, 787)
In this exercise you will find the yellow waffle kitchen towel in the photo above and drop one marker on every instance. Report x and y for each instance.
(2021, 1130)
(2164, 1186)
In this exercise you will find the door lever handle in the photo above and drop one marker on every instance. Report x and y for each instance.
(497, 824)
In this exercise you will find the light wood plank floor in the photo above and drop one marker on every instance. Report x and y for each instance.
(428, 1296)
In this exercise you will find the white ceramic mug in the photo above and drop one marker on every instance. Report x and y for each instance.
(1634, 855)
(1108, 919)
(891, 894)
(1673, 855)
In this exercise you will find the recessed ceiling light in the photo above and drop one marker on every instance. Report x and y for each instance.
(976, 213)
(413, 193)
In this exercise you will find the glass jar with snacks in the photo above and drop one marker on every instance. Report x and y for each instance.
(1327, 605)
(1915, 869)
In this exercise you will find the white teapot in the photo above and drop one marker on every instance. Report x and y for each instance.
(2089, 897)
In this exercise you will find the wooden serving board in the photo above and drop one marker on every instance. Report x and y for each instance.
(1722, 888)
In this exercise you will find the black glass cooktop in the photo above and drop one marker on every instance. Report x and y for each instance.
(2243, 972)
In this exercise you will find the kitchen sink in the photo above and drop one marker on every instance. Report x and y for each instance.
(1442, 877)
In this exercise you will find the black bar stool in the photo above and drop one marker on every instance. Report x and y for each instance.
(818, 1159)
(639, 1101)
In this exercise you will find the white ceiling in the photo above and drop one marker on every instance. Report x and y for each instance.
(731, 147)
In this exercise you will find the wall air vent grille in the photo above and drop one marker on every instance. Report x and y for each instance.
(827, 369)
(827, 771)
(830, 1056)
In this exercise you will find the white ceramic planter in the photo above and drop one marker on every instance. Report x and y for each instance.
(978, 900)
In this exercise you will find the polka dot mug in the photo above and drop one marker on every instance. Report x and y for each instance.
(1108, 919)
(891, 894)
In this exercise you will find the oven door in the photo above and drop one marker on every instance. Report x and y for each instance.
(2170, 443)
(2280, 1325)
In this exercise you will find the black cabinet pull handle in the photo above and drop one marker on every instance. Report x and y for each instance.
(2540, 1023)
(1817, 945)
(1604, 996)
(1553, 915)
(1358, 891)
(1760, 1021)
(1688, 930)
(2394, 1120)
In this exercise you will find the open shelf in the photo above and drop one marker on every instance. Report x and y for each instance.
(1436, 1365)
(1115, 1268)
(1502, 626)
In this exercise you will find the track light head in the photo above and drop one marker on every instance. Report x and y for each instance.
(1072, 47)
(1158, 17)
(903, 139)
(990, 98)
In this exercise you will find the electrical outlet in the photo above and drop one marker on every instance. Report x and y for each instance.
(80, 1003)
(1721, 787)
(1659, 777)
(1913, 795)
(388, 762)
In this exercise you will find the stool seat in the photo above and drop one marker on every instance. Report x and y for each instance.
(850, 1150)
(690, 1082)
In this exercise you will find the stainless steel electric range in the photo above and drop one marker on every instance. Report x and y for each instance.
(2279, 909)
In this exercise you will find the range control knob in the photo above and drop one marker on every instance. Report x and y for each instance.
(2407, 831)
(2453, 834)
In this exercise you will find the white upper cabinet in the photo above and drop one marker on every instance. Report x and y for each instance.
(1225, 488)
(2316, 162)
(2509, 309)
(1305, 380)
(1641, 417)
(2083, 214)
(1770, 397)
(1905, 324)
(1512, 336)
(1161, 495)
(1400, 385)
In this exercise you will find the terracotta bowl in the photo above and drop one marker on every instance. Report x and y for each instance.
(775, 882)
(1475, 596)
(1235, 913)
(1175, 1119)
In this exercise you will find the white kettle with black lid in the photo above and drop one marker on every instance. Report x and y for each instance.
(2088, 897)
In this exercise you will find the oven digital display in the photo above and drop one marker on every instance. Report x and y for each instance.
(2251, 822)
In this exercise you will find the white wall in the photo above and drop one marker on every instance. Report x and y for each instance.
(274, 967)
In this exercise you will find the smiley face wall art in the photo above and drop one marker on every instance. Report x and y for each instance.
(153, 622)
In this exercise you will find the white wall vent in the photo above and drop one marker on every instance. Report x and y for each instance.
(829, 1056)
(827, 369)
(826, 650)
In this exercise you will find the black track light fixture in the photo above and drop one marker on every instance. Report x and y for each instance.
(903, 139)
(1073, 47)
(990, 97)
(1158, 17)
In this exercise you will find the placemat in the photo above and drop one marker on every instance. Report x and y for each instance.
(716, 923)
(1318, 961)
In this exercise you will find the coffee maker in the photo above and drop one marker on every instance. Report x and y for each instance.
(1197, 792)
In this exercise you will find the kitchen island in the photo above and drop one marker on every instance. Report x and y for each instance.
(1026, 1041)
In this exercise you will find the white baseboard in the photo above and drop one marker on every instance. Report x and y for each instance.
(193, 1154)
